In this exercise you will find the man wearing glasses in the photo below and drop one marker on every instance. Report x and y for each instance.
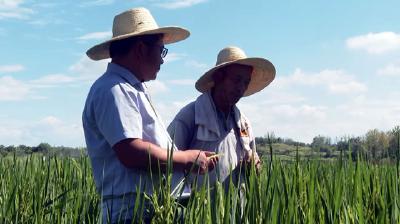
(124, 134)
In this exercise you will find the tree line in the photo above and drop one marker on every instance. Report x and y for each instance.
(42, 148)
(374, 145)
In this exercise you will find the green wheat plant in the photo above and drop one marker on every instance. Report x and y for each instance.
(41, 189)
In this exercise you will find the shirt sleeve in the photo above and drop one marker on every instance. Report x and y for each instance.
(117, 115)
(179, 133)
(182, 128)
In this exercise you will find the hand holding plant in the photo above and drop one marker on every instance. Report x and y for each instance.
(199, 161)
(250, 158)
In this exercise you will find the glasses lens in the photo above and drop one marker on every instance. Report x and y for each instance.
(164, 52)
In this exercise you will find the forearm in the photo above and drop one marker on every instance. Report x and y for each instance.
(136, 153)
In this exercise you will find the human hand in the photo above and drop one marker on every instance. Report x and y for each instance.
(248, 159)
(197, 160)
(212, 159)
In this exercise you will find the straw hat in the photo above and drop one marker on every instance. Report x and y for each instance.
(262, 75)
(136, 22)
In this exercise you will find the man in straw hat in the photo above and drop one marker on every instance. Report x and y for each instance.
(214, 121)
(123, 132)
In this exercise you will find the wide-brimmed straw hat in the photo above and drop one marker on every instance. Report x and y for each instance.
(136, 22)
(262, 75)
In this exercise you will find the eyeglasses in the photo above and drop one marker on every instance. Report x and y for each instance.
(164, 51)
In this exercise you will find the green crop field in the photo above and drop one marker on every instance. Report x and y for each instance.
(38, 189)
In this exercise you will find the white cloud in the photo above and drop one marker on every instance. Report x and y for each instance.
(96, 36)
(51, 121)
(87, 69)
(306, 112)
(173, 57)
(46, 21)
(302, 122)
(46, 5)
(96, 3)
(291, 113)
(51, 80)
(390, 70)
(372, 112)
(195, 64)
(12, 89)
(176, 4)
(335, 81)
(191, 63)
(183, 82)
(12, 135)
(156, 87)
(375, 43)
(13, 9)
(170, 109)
(50, 129)
(40, 22)
(348, 87)
(11, 68)
(83, 71)
(273, 95)
(291, 109)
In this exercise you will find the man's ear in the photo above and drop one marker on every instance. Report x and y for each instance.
(140, 49)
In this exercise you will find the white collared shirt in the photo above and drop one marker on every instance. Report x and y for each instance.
(117, 108)
(199, 125)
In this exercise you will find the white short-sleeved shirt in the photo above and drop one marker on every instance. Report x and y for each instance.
(117, 108)
(200, 125)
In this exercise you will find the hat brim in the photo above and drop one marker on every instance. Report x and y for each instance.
(171, 34)
(263, 74)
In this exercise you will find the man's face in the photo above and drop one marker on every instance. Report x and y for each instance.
(234, 83)
(152, 60)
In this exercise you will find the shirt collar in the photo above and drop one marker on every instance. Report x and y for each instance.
(123, 73)
(220, 114)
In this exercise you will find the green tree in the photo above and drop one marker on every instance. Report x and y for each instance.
(321, 143)
(24, 149)
(357, 148)
(394, 142)
(10, 148)
(3, 152)
(42, 147)
(376, 143)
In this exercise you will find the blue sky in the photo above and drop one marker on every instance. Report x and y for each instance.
(337, 62)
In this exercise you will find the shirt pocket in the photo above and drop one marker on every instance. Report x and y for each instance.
(204, 134)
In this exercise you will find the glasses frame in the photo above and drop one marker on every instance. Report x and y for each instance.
(163, 49)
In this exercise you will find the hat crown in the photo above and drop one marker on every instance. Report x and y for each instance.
(262, 75)
(229, 54)
(133, 21)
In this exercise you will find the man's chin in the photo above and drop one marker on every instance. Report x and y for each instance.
(236, 100)
(149, 79)
(153, 77)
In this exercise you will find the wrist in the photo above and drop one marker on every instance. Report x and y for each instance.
(181, 160)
